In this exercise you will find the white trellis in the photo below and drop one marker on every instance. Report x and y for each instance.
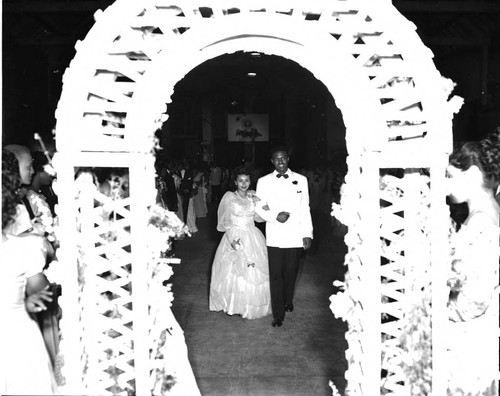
(397, 113)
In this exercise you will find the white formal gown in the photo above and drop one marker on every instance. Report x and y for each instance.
(25, 366)
(240, 278)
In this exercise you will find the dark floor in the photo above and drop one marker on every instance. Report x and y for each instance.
(235, 356)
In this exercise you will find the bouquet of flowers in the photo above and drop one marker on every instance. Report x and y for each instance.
(44, 223)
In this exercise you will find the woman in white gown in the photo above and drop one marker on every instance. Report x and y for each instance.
(240, 272)
(25, 366)
(473, 177)
(200, 199)
(191, 217)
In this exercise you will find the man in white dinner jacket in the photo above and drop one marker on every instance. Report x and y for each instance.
(284, 205)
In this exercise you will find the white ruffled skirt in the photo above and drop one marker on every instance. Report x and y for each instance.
(240, 278)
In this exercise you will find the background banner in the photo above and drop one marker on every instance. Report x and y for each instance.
(247, 127)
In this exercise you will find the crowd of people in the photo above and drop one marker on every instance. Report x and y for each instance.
(253, 273)
(186, 188)
(189, 187)
(240, 273)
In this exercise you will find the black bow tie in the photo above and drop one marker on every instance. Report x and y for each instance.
(282, 175)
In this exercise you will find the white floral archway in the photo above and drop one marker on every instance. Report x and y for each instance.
(115, 95)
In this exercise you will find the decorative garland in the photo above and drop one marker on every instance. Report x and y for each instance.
(346, 304)
(162, 227)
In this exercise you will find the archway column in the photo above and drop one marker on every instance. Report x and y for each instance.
(370, 253)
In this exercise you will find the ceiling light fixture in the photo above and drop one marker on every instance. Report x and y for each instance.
(251, 74)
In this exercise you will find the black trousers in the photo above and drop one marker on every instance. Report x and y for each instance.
(185, 206)
(216, 193)
(283, 269)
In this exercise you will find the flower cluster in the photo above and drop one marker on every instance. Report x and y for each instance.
(237, 245)
(346, 302)
(341, 304)
(163, 225)
(44, 223)
(252, 197)
(335, 391)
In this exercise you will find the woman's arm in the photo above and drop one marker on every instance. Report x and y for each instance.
(262, 208)
(37, 292)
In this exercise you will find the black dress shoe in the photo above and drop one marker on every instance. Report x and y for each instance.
(289, 307)
(277, 322)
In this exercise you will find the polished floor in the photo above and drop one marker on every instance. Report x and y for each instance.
(234, 356)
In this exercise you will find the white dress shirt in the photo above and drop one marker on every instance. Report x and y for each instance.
(280, 194)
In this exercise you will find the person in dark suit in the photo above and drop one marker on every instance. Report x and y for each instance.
(186, 189)
(167, 193)
(167, 196)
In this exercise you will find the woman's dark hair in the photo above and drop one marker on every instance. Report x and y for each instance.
(11, 181)
(485, 154)
(241, 170)
(10, 162)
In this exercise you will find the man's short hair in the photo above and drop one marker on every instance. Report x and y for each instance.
(280, 147)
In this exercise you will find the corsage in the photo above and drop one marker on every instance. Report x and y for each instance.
(237, 245)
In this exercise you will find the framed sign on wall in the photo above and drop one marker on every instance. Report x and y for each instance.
(247, 128)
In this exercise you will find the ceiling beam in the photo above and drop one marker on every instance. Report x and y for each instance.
(64, 41)
(54, 6)
(406, 6)
(39, 41)
(456, 41)
(447, 6)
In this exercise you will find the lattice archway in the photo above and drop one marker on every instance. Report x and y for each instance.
(118, 86)
(124, 71)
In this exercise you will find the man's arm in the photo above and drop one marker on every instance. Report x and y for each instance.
(305, 215)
